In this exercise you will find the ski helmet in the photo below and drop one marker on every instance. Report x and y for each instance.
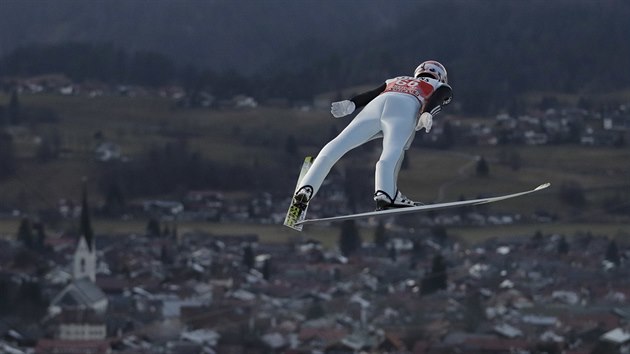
(433, 69)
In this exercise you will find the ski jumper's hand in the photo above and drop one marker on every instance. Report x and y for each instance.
(342, 108)
(425, 121)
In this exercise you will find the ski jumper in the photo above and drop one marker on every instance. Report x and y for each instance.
(391, 112)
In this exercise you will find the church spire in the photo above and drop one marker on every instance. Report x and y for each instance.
(85, 255)
(86, 224)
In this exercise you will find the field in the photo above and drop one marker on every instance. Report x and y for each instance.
(259, 135)
(137, 124)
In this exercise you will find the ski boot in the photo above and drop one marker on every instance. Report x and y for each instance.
(384, 201)
(302, 197)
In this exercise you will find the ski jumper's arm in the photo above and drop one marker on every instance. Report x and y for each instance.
(363, 99)
(441, 97)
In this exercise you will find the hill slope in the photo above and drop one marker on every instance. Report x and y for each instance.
(493, 53)
(243, 35)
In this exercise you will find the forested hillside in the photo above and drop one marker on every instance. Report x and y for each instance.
(497, 51)
(299, 49)
(217, 34)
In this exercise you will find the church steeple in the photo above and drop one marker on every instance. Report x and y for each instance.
(86, 224)
(85, 254)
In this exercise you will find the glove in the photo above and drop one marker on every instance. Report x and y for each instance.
(342, 108)
(425, 121)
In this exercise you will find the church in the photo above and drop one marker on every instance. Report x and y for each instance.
(80, 307)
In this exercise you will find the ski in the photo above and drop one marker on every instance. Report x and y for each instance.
(421, 208)
(297, 212)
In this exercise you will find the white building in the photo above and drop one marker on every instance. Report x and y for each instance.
(81, 325)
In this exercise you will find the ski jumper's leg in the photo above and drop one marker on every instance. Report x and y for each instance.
(398, 124)
(362, 128)
(401, 158)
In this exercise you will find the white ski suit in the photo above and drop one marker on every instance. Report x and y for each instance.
(391, 112)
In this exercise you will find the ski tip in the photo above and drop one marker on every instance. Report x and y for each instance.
(542, 186)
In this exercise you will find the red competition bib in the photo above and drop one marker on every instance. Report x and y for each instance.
(418, 88)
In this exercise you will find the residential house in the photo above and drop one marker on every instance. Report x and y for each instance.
(80, 325)
(55, 346)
